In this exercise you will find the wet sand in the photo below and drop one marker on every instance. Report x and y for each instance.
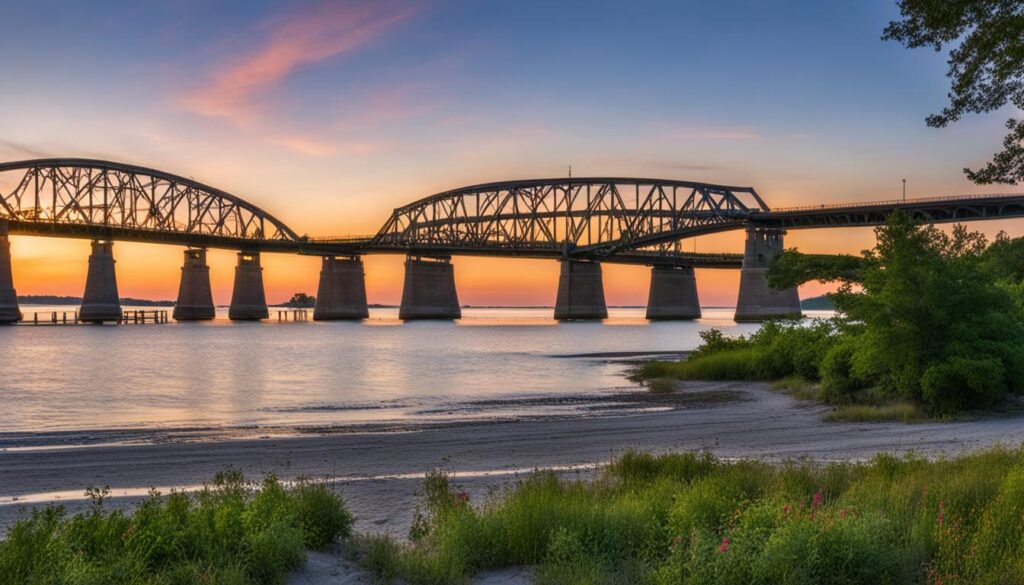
(378, 472)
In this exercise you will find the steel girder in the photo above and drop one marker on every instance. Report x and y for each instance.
(591, 218)
(624, 220)
(932, 210)
(92, 198)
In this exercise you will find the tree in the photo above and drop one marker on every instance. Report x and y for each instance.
(301, 300)
(793, 268)
(934, 317)
(986, 66)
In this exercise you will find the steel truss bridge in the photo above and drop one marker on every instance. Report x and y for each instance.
(608, 219)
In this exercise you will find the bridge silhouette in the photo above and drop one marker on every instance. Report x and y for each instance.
(581, 222)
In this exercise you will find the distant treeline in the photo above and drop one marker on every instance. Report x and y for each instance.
(58, 300)
(821, 303)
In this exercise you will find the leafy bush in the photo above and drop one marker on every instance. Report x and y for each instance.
(775, 351)
(230, 532)
(961, 383)
(689, 518)
(928, 317)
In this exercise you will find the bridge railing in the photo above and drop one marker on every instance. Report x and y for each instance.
(336, 239)
(176, 228)
(893, 202)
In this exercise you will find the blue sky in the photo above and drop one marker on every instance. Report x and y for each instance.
(329, 114)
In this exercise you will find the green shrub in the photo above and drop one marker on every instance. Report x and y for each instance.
(776, 350)
(962, 383)
(320, 514)
(929, 316)
(689, 518)
(230, 532)
(686, 518)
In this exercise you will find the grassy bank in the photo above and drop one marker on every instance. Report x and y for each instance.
(231, 533)
(798, 359)
(692, 519)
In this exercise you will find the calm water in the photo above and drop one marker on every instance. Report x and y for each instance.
(494, 363)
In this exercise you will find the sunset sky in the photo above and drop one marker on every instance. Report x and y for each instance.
(330, 114)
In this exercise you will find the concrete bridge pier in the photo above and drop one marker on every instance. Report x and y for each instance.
(9, 311)
(101, 302)
(248, 300)
(580, 291)
(429, 290)
(341, 293)
(758, 302)
(673, 294)
(195, 299)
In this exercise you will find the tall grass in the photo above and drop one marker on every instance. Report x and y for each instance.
(232, 532)
(689, 518)
(903, 411)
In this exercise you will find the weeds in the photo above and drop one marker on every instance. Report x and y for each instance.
(797, 387)
(895, 411)
(661, 386)
(691, 519)
(231, 532)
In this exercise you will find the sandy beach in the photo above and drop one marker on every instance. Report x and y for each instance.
(378, 472)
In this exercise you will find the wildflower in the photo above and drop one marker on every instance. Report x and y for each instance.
(842, 514)
(678, 540)
(785, 509)
(817, 499)
(724, 546)
(461, 498)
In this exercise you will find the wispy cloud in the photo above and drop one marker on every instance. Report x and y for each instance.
(25, 149)
(316, 34)
(718, 134)
(314, 147)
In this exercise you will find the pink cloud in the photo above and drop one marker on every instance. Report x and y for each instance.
(719, 134)
(328, 30)
(313, 147)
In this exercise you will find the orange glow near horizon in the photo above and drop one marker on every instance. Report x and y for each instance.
(56, 266)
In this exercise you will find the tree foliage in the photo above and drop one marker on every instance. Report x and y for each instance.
(793, 268)
(986, 66)
(301, 300)
(926, 316)
(931, 321)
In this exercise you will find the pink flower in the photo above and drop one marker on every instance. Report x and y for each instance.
(817, 499)
(842, 514)
(785, 509)
(724, 546)
(461, 498)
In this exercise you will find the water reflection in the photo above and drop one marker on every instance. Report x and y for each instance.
(223, 374)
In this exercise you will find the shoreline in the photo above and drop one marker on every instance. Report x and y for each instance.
(628, 398)
(379, 473)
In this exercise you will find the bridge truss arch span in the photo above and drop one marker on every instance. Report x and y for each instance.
(583, 218)
(100, 199)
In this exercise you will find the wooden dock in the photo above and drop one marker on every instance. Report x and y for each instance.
(292, 315)
(132, 317)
